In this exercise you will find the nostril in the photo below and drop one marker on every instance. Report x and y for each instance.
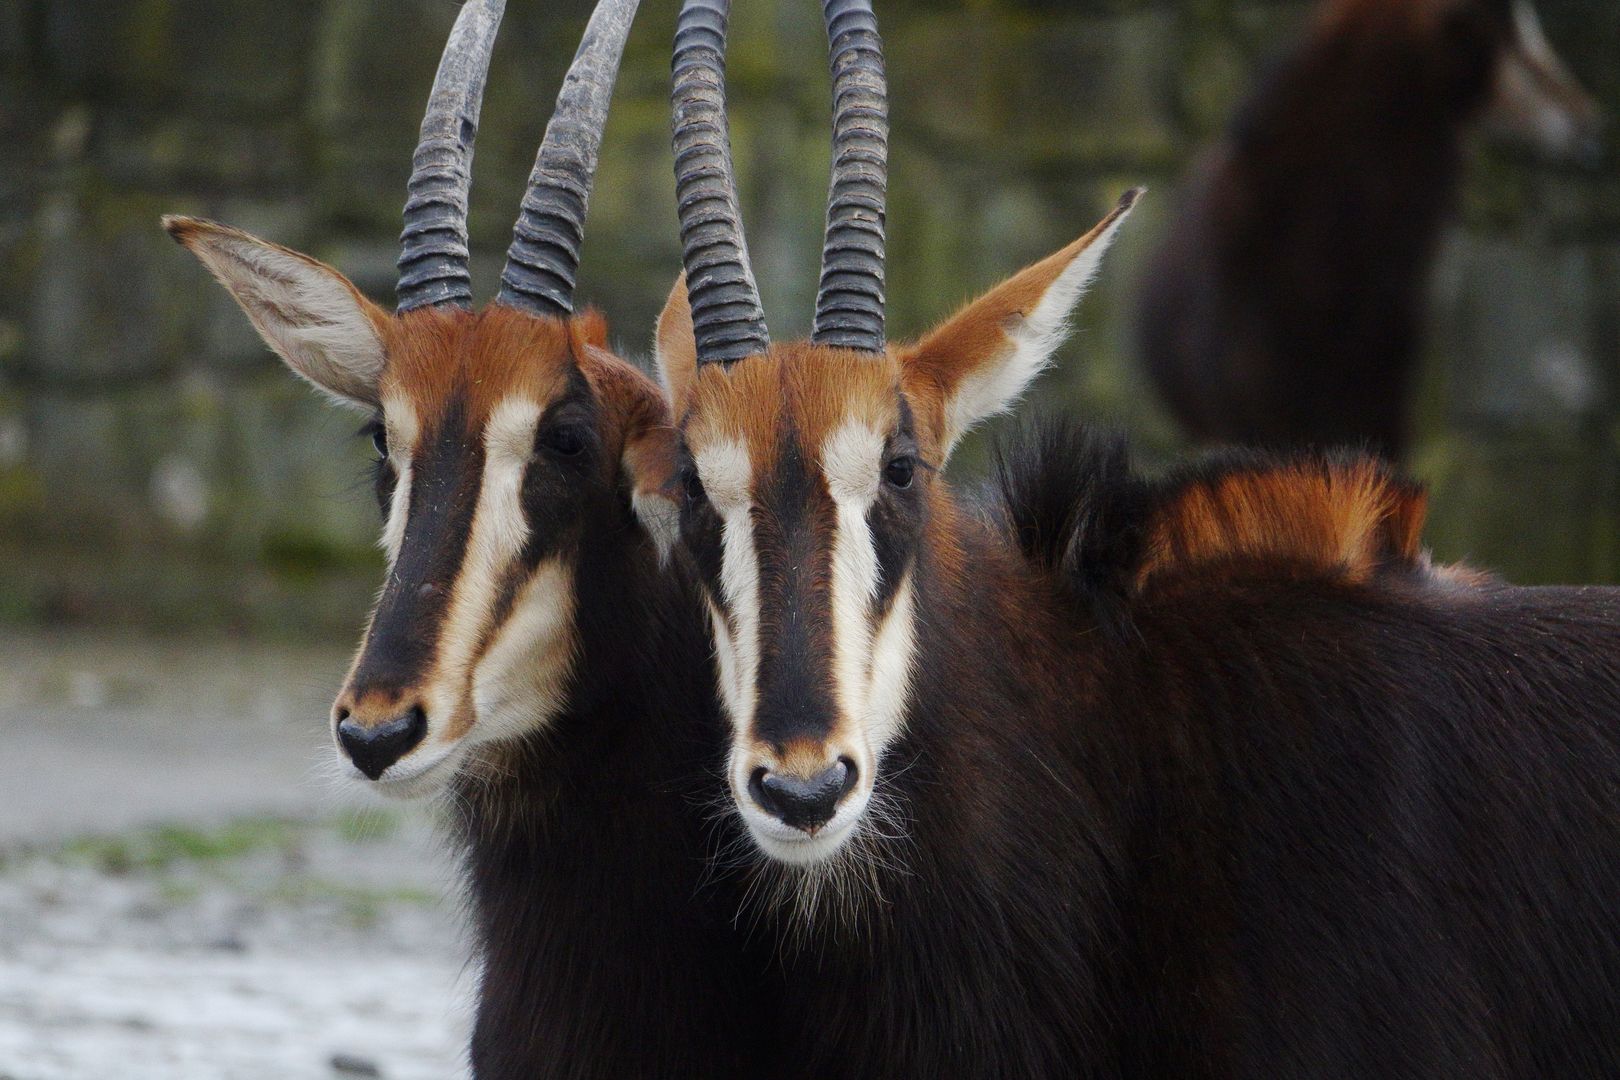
(850, 776)
(373, 748)
(805, 804)
(342, 715)
(762, 796)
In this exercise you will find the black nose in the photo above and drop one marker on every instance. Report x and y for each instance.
(374, 748)
(803, 804)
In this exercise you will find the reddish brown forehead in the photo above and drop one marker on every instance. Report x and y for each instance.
(484, 357)
(797, 391)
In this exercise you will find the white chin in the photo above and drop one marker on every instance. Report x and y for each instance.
(795, 847)
(412, 778)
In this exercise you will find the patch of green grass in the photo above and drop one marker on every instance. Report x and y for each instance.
(166, 846)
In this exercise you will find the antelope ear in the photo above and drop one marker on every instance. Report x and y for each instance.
(311, 315)
(650, 456)
(675, 346)
(652, 463)
(981, 359)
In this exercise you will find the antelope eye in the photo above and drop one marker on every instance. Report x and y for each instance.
(379, 440)
(564, 441)
(898, 472)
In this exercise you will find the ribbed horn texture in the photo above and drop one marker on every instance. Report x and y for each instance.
(543, 261)
(433, 248)
(849, 305)
(728, 321)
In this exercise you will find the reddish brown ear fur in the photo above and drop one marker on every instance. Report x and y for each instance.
(589, 328)
(1351, 518)
(675, 347)
(977, 362)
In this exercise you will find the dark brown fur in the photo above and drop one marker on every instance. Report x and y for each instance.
(1203, 808)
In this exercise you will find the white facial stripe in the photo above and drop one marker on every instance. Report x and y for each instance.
(499, 531)
(739, 584)
(508, 445)
(727, 475)
(519, 682)
(401, 427)
(851, 462)
(892, 653)
(854, 585)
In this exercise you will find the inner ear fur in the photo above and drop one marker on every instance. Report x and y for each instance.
(308, 313)
(979, 361)
(648, 454)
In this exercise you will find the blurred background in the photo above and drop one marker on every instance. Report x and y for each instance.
(187, 544)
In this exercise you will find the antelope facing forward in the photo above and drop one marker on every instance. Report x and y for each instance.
(1208, 777)
(527, 655)
(1286, 305)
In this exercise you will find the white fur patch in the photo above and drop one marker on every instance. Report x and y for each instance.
(508, 446)
(737, 631)
(727, 475)
(851, 462)
(1031, 340)
(400, 424)
(520, 682)
(892, 652)
(661, 518)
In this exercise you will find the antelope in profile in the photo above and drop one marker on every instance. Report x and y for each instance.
(526, 655)
(1208, 776)
(1287, 303)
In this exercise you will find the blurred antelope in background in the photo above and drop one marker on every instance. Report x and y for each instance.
(1286, 305)
(1209, 776)
(526, 655)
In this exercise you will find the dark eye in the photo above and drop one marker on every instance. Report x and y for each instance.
(898, 472)
(692, 485)
(564, 441)
(379, 439)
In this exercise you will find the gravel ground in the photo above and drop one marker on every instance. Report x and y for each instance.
(181, 895)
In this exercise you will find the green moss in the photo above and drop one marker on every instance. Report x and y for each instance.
(168, 846)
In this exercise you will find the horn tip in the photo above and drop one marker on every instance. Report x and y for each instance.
(1130, 198)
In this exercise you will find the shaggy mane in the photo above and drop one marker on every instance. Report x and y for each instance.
(1069, 499)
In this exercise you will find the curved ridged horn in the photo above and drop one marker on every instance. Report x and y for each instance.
(543, 260)
(433, 247)
(728, 322)
(849, 305)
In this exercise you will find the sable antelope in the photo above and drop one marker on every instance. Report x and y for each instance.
(526, 654)
(1286, 305)
(1214, 776)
